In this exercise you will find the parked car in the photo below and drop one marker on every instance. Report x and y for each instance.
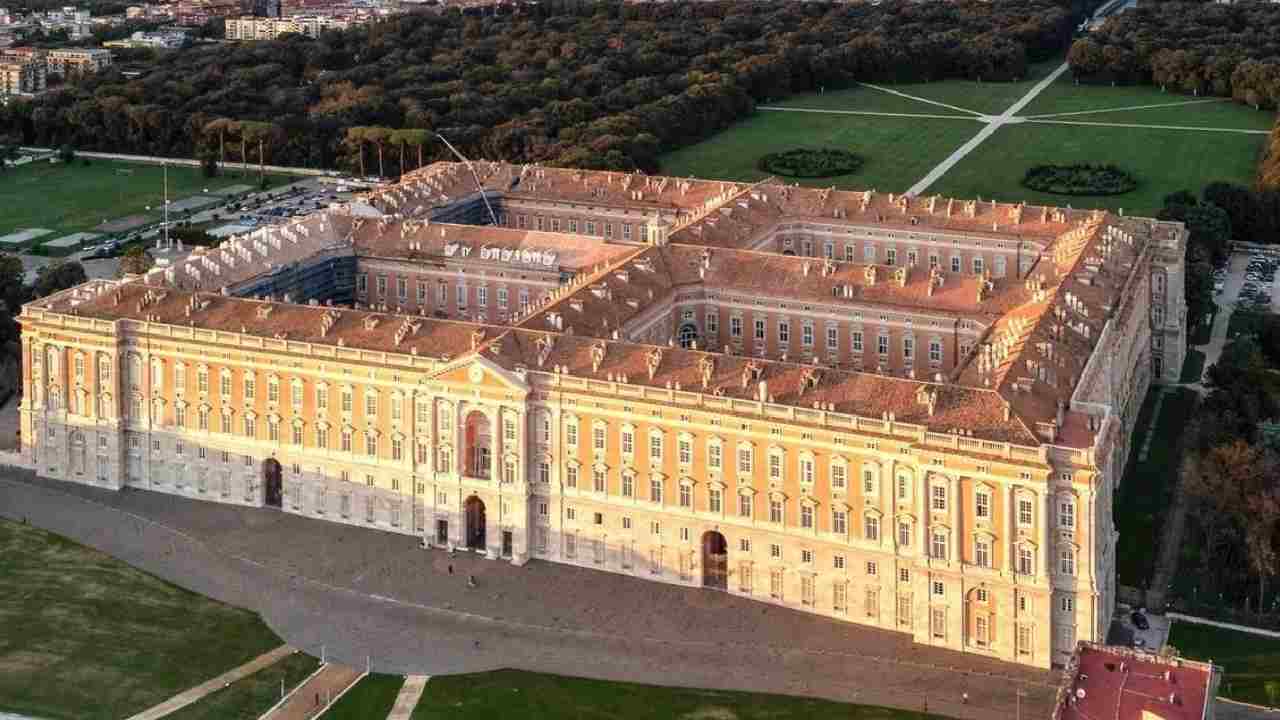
(1139, 620)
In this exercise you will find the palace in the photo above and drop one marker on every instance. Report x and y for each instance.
(906, 412)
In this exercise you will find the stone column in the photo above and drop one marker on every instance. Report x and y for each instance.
(1010, 534)
(1046, 533)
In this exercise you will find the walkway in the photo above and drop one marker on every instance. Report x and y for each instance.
(987, 131)
(354, 593)
(185, 698)
(407, 700)
(315, 694)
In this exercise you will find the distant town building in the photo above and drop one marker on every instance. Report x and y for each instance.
(266, 8)
(253, 28)
(22, 72)
(147, 11)
(78, 62)
(160, 40)
(198, 12)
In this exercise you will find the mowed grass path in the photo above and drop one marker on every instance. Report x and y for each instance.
(1163, 161)
(1250, 661)
(248, 698)
(84, 636)
(74, 198)
(534, 696)
(991, 98)
(370, 699)
(896, 151)
(1065, 96)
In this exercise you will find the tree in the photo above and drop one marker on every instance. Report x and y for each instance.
(13, 286)
(355, 140)
(136, 261)
(67, 154)
(379, 137)
(58, 276)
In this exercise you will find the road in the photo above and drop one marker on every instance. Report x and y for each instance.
(355, 594)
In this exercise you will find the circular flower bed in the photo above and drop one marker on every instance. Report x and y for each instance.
(810, 163)
(1079, 179)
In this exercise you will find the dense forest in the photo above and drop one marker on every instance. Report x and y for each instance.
(1269, 168)
(598, 85)
(1205, 48)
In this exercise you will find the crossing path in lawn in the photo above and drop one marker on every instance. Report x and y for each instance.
(917, 98)
(410, 694)
(1130, 107)
(993, 123)
(1141, 126)
(775, 108)
(185, 698)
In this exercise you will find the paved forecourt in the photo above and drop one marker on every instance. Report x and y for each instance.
(351, 593)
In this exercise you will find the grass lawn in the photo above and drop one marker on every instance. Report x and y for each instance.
(534, 696)
(992, 98)
(85, 636)
(1249, 661)
(897, 151)
(372, 697)
(867, 99)
(1065, 96)
(74, 198)
(1147, 489)
(1192, 367)
(1163, 161)
(248, 698)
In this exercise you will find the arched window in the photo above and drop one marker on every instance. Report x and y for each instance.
(687, 335)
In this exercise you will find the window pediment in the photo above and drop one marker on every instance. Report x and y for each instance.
(778, 495)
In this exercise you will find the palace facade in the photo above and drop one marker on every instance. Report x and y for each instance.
(905, 412)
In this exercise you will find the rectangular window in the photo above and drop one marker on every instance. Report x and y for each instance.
(1066, 514)
(714, 457)
(628, 442)
(904, 610)
(882, 344)
(684, 451)
(955, 263)
(871, 528)
(776, 584)
(938, 497)
(713, 500)
(760, 329)
(784, 331)
(655, 491)
(402, 288)
(982, 505)
(871, 603)
(833, 338)
(1024, 640)
(686, 496)
(856, 341)
(382, 285)
(872, 568)
(571, 476)
(482, 296)
(806, 516)
(938, 548)
(744, 506)
(838, 473)
(938, 622)
(807, 590)
(598, 438)
(982, 553)
(839, 522)
(745, 460)
(655, 447)
(806, 335)
(904, 534)
(502, 298)
(775, 511)
(598, 480)
(1026, 512)
(935, 351)
(735, 327)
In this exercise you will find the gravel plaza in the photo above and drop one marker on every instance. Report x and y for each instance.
(352, 595)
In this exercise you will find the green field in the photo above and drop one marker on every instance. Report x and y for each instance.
(248, 698)
(1163, 161)
(85, 636)
(75, 198)
(534, 696)
(372, 697)
(991, 98)
(897, 151)
(1104, 103)
(1146, 491)
(1249, 661)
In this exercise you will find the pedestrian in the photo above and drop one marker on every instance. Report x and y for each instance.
(471, 581)
(317, 699)
(450, 568)
(477, 644)
(964, 698)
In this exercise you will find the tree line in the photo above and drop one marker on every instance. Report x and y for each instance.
(1269, 166)
(1225, 50)
(601, 85)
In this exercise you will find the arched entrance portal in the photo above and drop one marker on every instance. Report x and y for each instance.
(475, 523)
(272, 480)
(715, 561)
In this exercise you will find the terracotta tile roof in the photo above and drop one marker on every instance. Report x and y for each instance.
(318, 324)
(443, 182)
(412, 239)
(1121, 684)
(804, 386)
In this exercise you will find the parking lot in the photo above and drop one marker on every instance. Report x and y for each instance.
(1257, 291)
